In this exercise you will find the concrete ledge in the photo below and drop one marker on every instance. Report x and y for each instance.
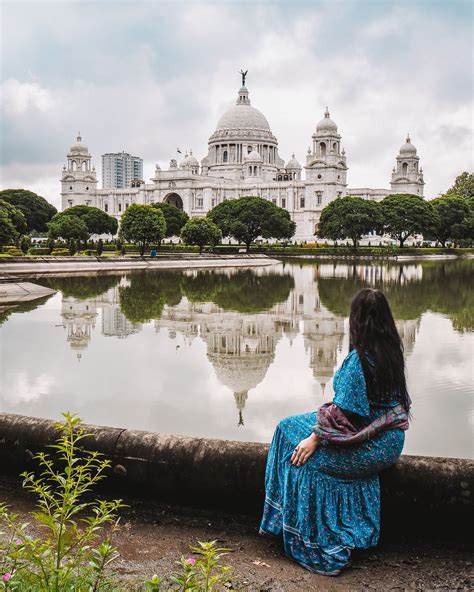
(17, 292)
(44, 265)
(229, 472)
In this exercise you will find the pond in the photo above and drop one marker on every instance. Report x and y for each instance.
(228, 353)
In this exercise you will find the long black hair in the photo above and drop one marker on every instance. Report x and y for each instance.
(374, 335)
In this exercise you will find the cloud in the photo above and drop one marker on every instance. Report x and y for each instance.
(18, 97)
(148, 77)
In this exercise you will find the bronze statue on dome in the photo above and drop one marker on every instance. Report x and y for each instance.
(244, 75)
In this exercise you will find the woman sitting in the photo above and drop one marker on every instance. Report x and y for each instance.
(322, 485)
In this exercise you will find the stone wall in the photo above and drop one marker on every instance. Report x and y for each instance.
(435, 491)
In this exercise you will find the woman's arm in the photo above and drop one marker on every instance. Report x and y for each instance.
(305, 449)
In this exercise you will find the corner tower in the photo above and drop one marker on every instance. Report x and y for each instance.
(326, 168)
(78, 180)
(407, 176)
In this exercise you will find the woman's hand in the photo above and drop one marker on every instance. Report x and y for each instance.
(305, 449)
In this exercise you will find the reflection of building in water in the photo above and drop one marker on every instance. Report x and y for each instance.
(241, 347)
(79, 320)
(114, 322)
(408, 330)
(373, 274)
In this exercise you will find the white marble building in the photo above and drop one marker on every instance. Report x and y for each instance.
(243, 159)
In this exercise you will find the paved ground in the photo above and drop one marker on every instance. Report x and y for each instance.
(154, 536)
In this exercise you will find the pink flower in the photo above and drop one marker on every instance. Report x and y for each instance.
(18, 541)
(7, 576)
(191, 561)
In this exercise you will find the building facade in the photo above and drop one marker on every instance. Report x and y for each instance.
(121, 170)
(243, 159)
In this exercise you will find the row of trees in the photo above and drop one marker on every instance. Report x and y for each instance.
(401, 216)
(447, 218)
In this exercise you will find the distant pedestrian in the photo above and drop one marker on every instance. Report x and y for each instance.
(322, 484)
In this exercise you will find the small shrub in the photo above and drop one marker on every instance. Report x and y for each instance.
(72, 247)
(202, 574)
(100, 247)
(13, 251)
(39, 251)
(61, 252)
(70, 555)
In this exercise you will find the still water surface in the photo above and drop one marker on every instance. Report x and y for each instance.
(227, 354)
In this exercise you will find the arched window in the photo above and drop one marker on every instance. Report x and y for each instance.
(250, 170)
(224, 156)
(249, 149)
(334, 145)
(322, 148)
(255, 170)
(84, 166)
(405, 168)
(106, 207)
(74, 165)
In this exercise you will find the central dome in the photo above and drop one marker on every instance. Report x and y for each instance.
(242, 115)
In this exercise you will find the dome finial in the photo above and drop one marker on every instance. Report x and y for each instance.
(79, 139)
(244, 76)
(408, 141)
(326, 113)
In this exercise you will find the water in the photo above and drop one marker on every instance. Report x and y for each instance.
(227, 354)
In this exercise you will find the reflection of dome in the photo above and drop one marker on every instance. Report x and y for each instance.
(240, 373)
(326, 124)
(79, 148)
(242, 115)
(408, 147)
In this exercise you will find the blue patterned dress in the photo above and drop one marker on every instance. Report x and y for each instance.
(331, 504)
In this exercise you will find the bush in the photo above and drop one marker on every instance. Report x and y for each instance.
(61, 252)
(13, 251)
(67, 556)
(39, 251)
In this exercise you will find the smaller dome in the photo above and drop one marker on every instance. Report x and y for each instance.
(79, 147)
(293, 163)
(408, 147)
(326, 124)
(254, 156)
(189, 161)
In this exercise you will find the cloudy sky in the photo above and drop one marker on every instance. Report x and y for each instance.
(147, 77)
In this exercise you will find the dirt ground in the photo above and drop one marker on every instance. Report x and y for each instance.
(153, 536)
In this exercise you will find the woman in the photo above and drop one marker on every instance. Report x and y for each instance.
(322, 486)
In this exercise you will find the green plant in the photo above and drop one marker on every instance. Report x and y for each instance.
(70, 554)
(204, 574)
(72, 247)
(100, 247)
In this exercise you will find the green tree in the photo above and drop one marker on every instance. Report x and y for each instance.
(16, 217)
(247, 218)
(100, 247)
(72, 247)
(449, 211)
(25, 244)
(463, 185)
(96, 220)
(464, 230)
(349, 217)
(201, 232)
(142, 225)
(37, 211)
(8, 232)
(174, 217)
(404, 215)
(67, 228)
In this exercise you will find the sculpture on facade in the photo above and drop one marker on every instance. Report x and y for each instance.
(244, 75)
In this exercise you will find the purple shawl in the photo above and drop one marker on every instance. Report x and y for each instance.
(335, 426)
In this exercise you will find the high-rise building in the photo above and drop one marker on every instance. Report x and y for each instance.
(120, 170)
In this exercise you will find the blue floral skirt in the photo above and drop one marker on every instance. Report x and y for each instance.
(331, 504)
